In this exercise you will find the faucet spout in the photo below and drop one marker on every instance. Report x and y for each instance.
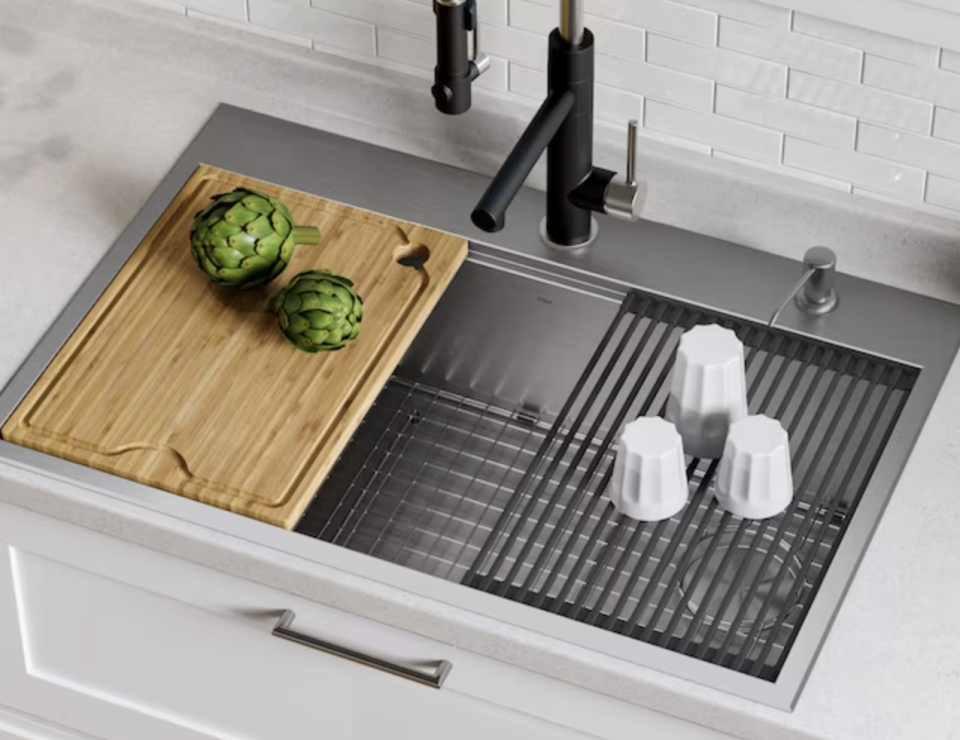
(490, 211)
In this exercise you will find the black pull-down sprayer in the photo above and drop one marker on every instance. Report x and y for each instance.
(456, 70)
(564, 128)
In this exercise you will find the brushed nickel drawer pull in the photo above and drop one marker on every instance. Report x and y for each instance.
(433, 679)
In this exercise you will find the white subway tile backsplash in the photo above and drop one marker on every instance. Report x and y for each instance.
(803, 121)
(946, 124)
(724, 133)
(531, 16)
(494, 78)
(861, 101)
(667, 17)
(858, 169)
(880, 44)
(828, 182)
(270, 33)
(233, 9)
(899, 146)
(943, 192)
(655, 82)
(514, 44)
(494, 11)
(165, 5)
(950, 60)
(710, 62)
(615, 105)
(613, 38)
(926, 84)
(527, 81)
(693, 146)
(743, 80)
(336, 31)
(399, 15)
(414, 51)
(798, 51)
(759, 14)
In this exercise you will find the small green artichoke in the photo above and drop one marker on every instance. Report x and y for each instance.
(318, 311)
(246, 238)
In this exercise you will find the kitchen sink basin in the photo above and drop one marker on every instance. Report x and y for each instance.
(486, 460)
(478, 478)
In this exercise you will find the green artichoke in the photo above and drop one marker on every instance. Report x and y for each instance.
(318, 311)
(246, 238)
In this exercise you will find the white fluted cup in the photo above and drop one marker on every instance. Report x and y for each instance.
(708, 392)
(649, 480)
(755, 480)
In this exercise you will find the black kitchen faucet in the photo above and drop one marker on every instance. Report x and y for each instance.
(563, 126)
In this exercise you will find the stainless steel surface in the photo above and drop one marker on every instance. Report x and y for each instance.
(819, 295)
(624, 199)
(549, 243)
(508, 495)
(514, 367)
(434, 679)
(794, 292)
(480, 60)
(571, 21)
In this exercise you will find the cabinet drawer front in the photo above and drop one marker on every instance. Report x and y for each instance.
(181, 652)
(172, 665)
(109, 658)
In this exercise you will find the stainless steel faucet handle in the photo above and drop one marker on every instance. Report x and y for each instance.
(481, 61)
(625, 199)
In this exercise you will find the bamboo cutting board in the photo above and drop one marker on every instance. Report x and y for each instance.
(189, 386)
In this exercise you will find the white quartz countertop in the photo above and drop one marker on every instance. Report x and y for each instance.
(97, 101)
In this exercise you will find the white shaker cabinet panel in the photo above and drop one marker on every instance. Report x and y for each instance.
(118, 641)
(16, 726)
(117, 662)
(121, 662)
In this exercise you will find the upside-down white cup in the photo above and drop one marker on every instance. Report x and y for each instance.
(649, 480)
(755, 479)
(708, 392)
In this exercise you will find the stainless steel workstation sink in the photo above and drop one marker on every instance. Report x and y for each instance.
(479, 476)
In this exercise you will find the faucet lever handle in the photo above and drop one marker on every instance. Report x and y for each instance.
(624, 200)
(481, 62)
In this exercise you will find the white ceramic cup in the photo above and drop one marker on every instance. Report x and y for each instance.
(649, 480)
(708, 392)
(755, 479)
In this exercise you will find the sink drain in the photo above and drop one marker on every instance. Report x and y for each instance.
(748, 555)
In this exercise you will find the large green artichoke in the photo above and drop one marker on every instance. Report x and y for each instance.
(318, 311)
(246, 238)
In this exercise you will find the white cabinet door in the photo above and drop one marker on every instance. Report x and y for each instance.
(15, 726)
(120, 642)
(119, 662)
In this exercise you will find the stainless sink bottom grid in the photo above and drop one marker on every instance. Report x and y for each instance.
(514, 505)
